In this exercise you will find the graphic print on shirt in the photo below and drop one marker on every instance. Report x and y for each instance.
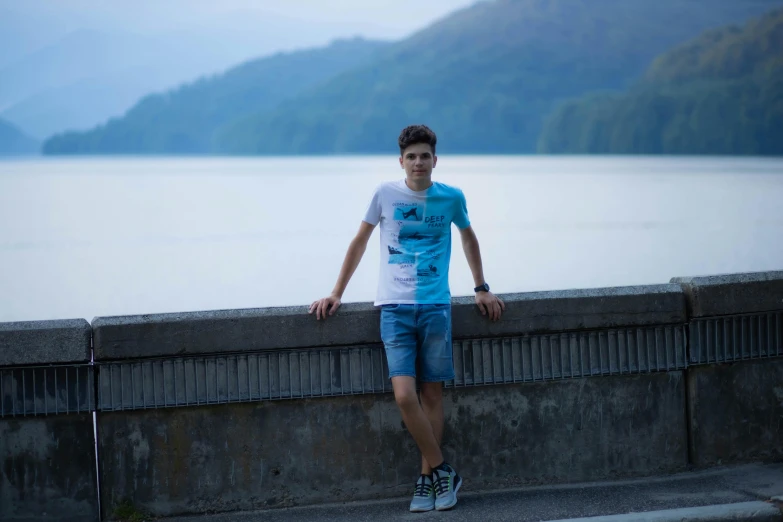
(416, 241)
(405, 211)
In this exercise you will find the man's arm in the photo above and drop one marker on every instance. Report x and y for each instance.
(352, 258)
(487, 302)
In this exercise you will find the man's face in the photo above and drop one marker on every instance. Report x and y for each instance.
(418, 161)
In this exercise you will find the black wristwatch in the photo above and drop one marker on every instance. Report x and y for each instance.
(482, 288)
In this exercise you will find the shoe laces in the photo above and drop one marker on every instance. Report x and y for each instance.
(423, 487)
(442, 482)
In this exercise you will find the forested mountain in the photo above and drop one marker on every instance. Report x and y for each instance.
(184, 120)
(484, 78)
(720, 93)
(14, 142)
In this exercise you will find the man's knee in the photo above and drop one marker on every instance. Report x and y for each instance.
(406, 398)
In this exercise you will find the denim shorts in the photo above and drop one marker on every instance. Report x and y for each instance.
(418, 336)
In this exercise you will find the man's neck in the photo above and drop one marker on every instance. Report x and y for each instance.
(418, 185)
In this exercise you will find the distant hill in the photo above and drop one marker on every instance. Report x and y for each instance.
(61, 70)
(184, 120)
(484, 77)
(720, 93)
(14, 142)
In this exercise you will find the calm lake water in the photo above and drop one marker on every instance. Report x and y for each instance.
(96, 237)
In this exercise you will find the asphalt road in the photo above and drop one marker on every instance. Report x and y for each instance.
(723, 486)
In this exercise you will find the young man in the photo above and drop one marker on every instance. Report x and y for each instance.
(415, 215)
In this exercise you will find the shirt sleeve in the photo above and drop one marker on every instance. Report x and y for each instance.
(461, 218)
(373, 213)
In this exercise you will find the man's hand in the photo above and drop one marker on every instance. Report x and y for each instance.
(320, 307)
(490, 304)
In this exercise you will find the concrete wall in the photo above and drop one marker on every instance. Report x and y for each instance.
(269, 454)
(736, 412)
(735, 378)
(47, 469)
(47, 447)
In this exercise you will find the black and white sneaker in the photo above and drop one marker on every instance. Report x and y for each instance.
(446, 483)
(423, 495)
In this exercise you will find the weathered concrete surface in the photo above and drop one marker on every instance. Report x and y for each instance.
(273, 454)
(733, 293)
(650, 495)
(292, 327)
(736, 412)
(559, 311)
(47, 469)
(44, 342)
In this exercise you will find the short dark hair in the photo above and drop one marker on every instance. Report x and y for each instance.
(413, 134)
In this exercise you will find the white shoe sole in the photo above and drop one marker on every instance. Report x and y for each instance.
(444, 508)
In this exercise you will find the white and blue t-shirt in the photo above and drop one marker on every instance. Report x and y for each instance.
(415, 240)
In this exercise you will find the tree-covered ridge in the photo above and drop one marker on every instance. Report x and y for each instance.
(485, 78)
(721, 93)
(14, 142)
(725, 53)
(185, 120)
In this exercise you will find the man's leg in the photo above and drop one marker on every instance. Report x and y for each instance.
(437, 366)
(432, 404)
(398, 332)
(417, 421)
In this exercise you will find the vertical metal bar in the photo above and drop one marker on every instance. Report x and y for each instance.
(185, 399)
(656, 348)
(24, 396)
(122, 387)
(331, 374)
(56, 395)
(742, 337)
(247, 368)
(361, 368)
(269, 375)
(143, 382)
(239, 386)
(2, 396)
(217, 388)
(760, 335)
(46, 390)
(598, 348)
(258, 368)
(639, 333)
(35, 402)
(279, 376)
(551, 357)
(570, 354)
(726, 328)
(78, 402)
(290, 377)
(770, 342)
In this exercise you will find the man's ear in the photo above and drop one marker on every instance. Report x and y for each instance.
(401, 165)
(434, 160)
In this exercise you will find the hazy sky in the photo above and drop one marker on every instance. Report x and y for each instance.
(37, 22)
